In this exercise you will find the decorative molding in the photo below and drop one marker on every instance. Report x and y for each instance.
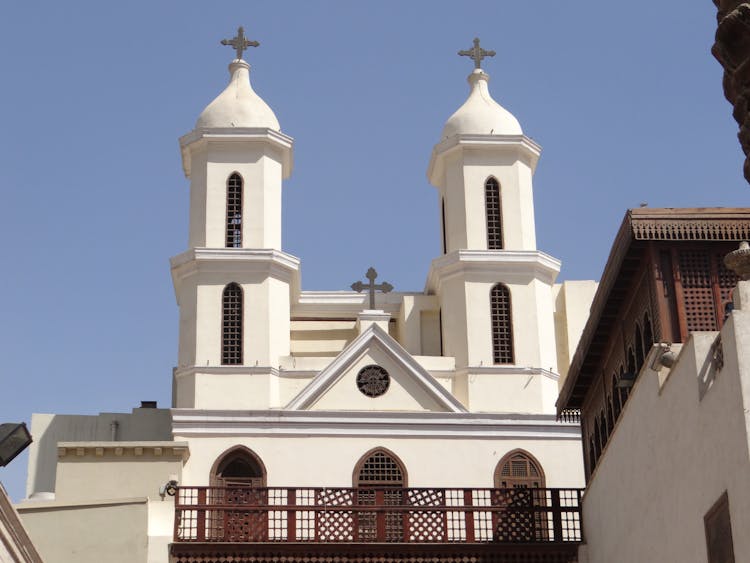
(123, 449)
(274, 263)
(507, 370)
(199, 138)
(204, 423)
(343, 303)
(336, 369)
(185, 371)
(510, 266)
(522, 144)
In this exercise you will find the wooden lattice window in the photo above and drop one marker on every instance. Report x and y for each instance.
(494, 214)
(231, 325)
(695, 274)
(234, 211)
(380, 468)
(519, 470)
(502, 325)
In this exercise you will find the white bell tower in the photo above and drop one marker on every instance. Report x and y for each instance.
(233, 283)
(493, 285)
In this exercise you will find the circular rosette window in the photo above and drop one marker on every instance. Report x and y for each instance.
(373, 381)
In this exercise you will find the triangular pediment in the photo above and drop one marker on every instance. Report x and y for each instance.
(410, 386)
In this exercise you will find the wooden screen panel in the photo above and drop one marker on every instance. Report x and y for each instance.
(519, 470)
(698, 296)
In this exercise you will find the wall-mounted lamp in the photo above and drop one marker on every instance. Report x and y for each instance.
(169, 488)
(14, 438)
(664, 357)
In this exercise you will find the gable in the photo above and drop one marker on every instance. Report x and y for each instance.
(410, 387)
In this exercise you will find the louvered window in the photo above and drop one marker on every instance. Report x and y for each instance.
(519, 470)
(231, 328)
(494, 214)
(234, 211)
(502, 329)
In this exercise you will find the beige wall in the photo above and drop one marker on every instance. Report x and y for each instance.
(673, 453)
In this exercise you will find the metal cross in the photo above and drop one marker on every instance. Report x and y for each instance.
(477, 53)
(371, 274)
(240, 42)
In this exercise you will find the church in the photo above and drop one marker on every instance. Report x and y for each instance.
(359, 425)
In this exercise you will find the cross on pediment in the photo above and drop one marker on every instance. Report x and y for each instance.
(476, 53)
(239, 42)
(371, 286)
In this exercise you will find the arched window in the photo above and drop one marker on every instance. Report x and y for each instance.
(231, 325)
(519, 470)
(494, 214)
(502, 325)
(648, 333)
(234, 211)
(639, 355)
(238, 467)
(616, 397)
(378, 468)
(238, 478)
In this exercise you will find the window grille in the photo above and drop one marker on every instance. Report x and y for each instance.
(494, 214)
(695, 272)
(519, 470)
(234, 211)
(502, 330)
(380, 468)
(231, 330)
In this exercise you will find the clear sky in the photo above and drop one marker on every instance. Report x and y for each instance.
(624, 98)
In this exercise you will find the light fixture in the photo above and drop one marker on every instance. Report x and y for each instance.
(664, 357)
(14, 438)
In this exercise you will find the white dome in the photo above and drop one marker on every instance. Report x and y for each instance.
(238, 105)
(480, 114)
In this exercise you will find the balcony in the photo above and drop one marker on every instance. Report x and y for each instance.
(447, 521)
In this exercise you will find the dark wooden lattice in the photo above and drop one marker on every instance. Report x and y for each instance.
(380, 469)
(377, 470)
(231, 325)
(518, 470)
(234, 211)
(727, 279)
(695, 274)
(502, 329)
(494, 214)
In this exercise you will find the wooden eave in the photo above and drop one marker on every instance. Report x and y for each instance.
(638, 226)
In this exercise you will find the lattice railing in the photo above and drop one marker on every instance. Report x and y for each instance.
(376, 515)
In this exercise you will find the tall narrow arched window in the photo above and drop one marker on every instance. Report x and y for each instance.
(639, 354)
(648, 333)
(234, 211)
(519, 470)
(502, 325)
(494, 214)
(231, 325)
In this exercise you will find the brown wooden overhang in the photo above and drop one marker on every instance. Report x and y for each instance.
(639, 225)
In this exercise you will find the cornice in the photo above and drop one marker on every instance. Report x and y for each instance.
(507, 370)
(500, 143)
(124, 449)
(274, 263)
(199, 138)
(346, 304)
(513, 266)
(185, 371)
(205, 423)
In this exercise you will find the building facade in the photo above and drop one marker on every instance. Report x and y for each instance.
(398, 425)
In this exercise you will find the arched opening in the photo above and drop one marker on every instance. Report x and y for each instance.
(493, 209)
(234, 211)
(238, 478)
(639, 355)
(380, 477)
(231, 325)
(648, 333)
(519, 470)
(502, 325)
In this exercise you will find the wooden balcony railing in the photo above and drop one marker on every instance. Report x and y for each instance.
(377, 515)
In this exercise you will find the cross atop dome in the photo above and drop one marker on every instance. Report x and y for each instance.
(476, 53)
(239, 42)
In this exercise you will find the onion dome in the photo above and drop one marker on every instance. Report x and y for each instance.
(480, 114)
(238, 105)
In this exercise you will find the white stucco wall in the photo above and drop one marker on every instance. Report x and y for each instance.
(572, 307)
(674, 451)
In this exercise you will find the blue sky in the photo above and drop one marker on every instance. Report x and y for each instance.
(625, 100)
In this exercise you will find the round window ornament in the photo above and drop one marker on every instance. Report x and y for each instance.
(373, 381)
